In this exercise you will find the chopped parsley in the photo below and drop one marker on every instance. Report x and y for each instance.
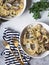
(38, 7)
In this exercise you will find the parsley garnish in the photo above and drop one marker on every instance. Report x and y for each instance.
(38, 7)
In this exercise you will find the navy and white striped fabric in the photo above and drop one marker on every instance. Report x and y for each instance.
(9, 57)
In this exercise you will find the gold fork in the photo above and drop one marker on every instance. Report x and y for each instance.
(8, 47)
(15, 42)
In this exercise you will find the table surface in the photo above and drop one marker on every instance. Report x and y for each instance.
(18, 23)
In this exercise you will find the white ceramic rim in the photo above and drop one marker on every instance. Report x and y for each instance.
(45, 53)
(18, 14)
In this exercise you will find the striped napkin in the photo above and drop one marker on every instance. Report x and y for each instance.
(9, 57)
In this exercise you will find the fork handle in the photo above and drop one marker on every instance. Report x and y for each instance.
(20, 61)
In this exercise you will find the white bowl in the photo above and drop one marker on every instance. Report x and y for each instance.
(8, 18)
(47, 28)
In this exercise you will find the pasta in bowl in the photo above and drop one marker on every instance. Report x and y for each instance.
(35, 40)
(11, 8)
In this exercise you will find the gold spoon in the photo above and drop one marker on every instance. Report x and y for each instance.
(8, 47)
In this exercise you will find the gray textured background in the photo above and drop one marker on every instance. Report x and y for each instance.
(26, 18)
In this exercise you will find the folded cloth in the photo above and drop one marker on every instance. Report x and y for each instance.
(9, 57)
